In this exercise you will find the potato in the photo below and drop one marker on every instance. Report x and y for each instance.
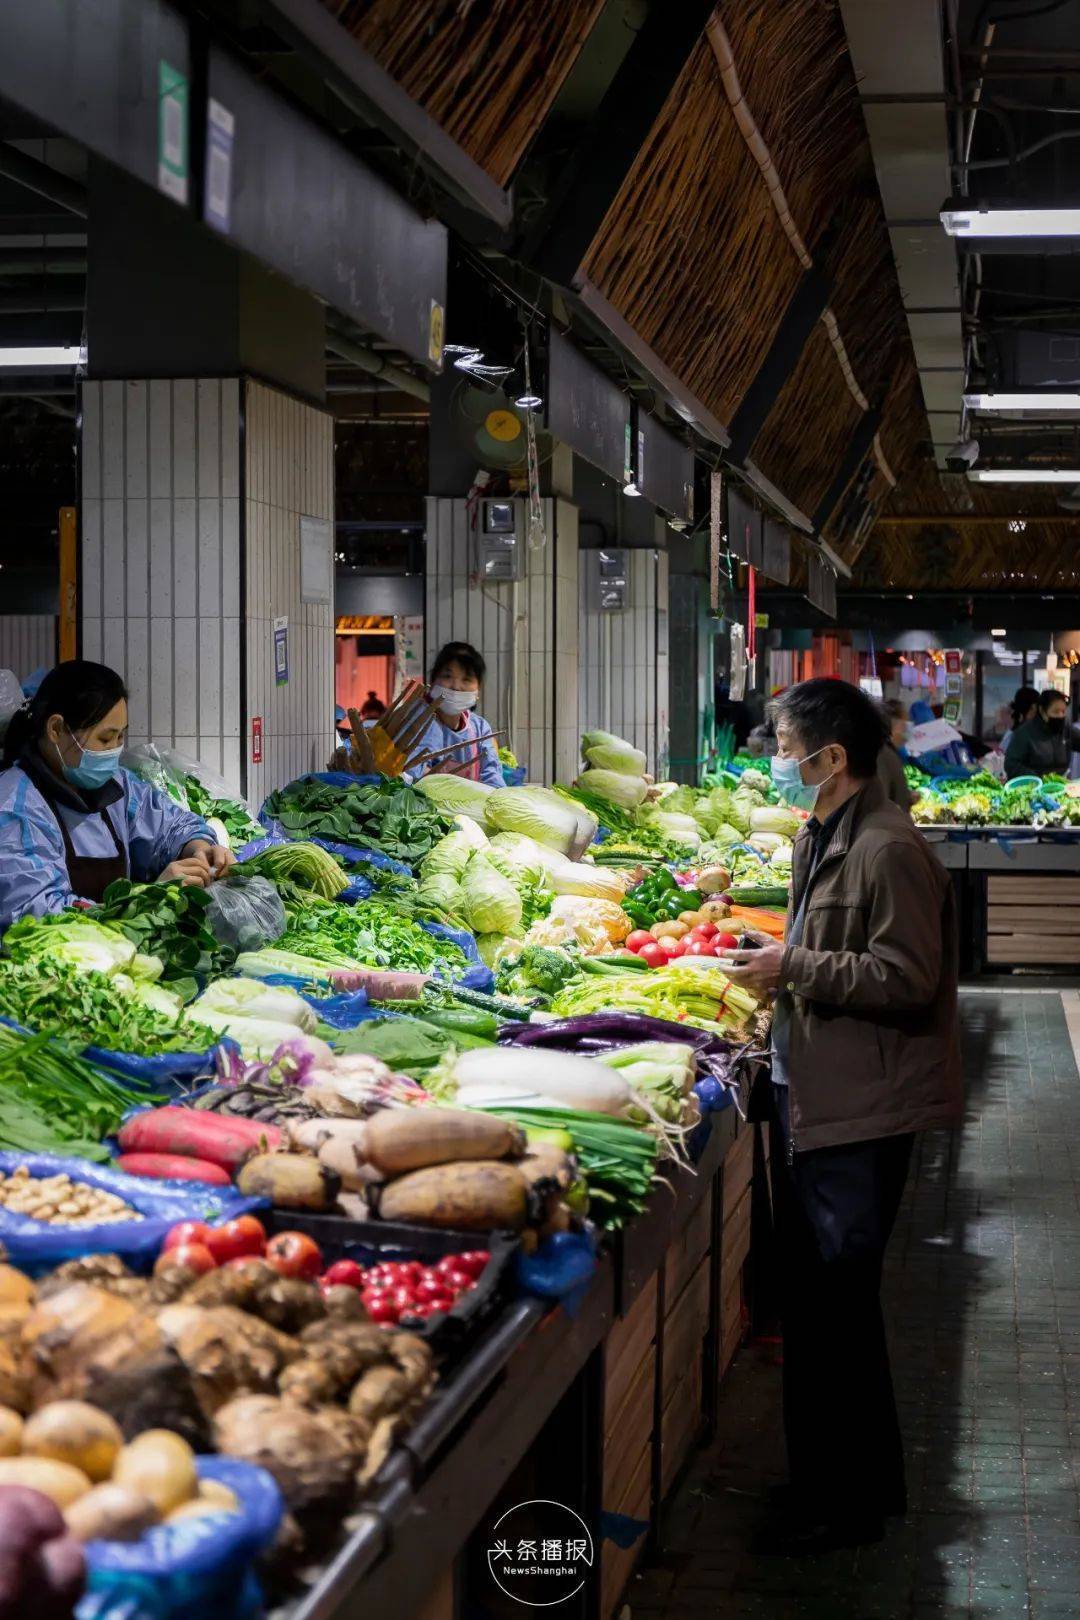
(690, 918)
(59, 1481)
(668, 930)
(212, 1490)
(160, 1465)
(11, 1428)
(199, 1508)
(74, 1432)
(472, 1197)
(290, 1181)
(111, 1513)
(400, 1139)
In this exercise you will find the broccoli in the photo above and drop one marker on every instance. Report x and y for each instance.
(542, 969)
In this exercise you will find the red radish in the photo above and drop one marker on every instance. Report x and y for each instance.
(192, 1256)
(432, 1288)
(186, 1232)
(345, 1273)
(294, 1254)
(654, 954)
(637, 939)
(195, 1133)
(172, 1167)
(474, 1261)
(457, 1281)
(382, 1310)
(241, 1238)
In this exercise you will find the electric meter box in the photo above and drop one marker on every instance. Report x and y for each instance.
(499, 540)
(612, 575)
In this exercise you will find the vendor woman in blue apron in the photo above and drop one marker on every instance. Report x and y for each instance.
(71, 821)
(456, 675)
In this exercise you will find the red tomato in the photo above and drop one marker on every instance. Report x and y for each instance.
(402, 1298)
(411, 1272)
(672, 948)
(371, 1295)
(473, 1261)
(383, 1311)
(457, 1281)
(193, 1256)
(637, 939)
(701, 947)
(243, 1236)
(449, 1262)
(186, 1232)
(725, 942)
(294, 1254)
(654, 954)
(431, 1289)
(346, 1272)
(708, 929)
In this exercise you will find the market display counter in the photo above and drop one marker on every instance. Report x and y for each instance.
(1018, 893)
(619, 1387)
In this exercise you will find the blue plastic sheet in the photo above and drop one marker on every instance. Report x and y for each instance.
(200, 1566)
(357, 888)
(168, 1071)
(36, 1247)
(477, 976)
(513, 775)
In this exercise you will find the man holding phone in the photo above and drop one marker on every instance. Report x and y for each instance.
(865, 1052)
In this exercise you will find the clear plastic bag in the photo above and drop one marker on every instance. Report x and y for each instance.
(147, 763)
(245, 912)
(11, 698)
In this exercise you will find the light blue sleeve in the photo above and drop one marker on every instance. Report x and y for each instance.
(33, 867)
(490, 769)
(157, 828)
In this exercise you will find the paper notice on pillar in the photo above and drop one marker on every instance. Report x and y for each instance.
(737, 668)
(281, 651)
(316, 560)
(928, 738)
(172, 133)
(409, 639)
(220, 130)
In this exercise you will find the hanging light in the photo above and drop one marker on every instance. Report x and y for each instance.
(630, 488)
(528, 401)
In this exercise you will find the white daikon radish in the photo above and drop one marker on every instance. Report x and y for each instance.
(565, 1080)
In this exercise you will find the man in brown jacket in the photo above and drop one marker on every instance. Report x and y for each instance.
(865, 1053)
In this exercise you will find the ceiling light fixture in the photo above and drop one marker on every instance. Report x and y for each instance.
(22, 359)
(528, 402)
(468, 358)
(630, 488)
(1022, 402)
(983, 222)
(1025, 475)
(997, 632)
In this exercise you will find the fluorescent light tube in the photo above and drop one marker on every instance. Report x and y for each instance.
(997, 632)
(1011, 221)
(1024, 475)
(20, 359)
(1000, 401)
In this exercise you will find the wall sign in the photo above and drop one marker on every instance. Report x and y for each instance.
(256, 739)
(220, 129)
(316, 560)
(281, 651)
(410, 646)
(172, 177)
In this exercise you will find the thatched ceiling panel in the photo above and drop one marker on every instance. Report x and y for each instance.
(806, 434)
(487, 73)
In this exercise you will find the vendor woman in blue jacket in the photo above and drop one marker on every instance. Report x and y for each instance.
(456, 675)
(71, 821)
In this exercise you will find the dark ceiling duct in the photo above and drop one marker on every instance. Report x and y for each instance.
(45, 182)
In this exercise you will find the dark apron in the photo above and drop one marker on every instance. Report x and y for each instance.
(89, 875)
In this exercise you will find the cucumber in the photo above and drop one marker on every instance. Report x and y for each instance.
(462, 1020)
(759, 895)
(498, 1005)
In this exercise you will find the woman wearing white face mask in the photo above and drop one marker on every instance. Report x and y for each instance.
(456, 675)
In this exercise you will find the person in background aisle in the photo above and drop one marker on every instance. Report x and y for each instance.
(372, 707)
(865, 1052)
(71, 821)
(1024, 707)
(890, 765)
(456, 675)
(1040, 746)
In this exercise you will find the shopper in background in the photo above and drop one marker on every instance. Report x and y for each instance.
(456, 676)
(1040, 746)
(372, 707)
(865, 1053)
(1024, 707)
(890, 765)
(71, 821)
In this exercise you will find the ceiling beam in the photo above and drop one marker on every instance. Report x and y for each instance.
(607, 148)
(859, 446)
(43, 181)
(804, 310)
(963, 520)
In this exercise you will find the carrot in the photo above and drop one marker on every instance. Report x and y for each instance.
(769, 922)
(197, 1134)
(172, 1167)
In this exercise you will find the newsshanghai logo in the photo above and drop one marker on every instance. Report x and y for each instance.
(540, 1553)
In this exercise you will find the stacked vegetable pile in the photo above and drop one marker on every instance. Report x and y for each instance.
(387, 816)
(980, 800)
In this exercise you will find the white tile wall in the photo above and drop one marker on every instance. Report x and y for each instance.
(526, 631)
(160, 528)
(180, 564)
(624, 657)
(27, 642)
(289, 473)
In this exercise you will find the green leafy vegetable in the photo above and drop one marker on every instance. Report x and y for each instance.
(93, 1009)
(304, 865)
(167, 920)
(51, 1101)
(387, 815)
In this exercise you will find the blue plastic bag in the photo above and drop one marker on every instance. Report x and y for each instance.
(563, 1264)
(357, 888)
(199, 1566)
(36, 1247)
(477, 976)
(168, 1071)
(513, 775)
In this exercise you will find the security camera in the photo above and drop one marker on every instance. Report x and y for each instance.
(963, 455)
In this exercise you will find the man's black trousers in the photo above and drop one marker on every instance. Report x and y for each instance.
(834, 1210)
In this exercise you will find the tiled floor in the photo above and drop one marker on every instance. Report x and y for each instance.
(983, 1295)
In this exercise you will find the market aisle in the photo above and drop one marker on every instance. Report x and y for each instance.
(983, 1296)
